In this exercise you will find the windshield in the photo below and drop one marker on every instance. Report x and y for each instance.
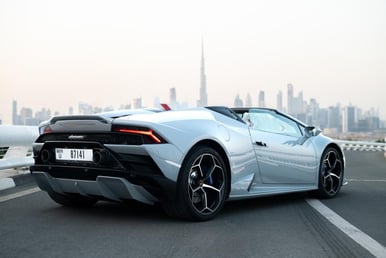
(272, 122)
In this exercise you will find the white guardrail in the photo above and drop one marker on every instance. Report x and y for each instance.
(16, 145)
(362, 146)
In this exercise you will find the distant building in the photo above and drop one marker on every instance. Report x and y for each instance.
(312, 112)
(96, 110)
(322, 118)
(16, 119)
(248, 100)
(279, 101)
(262, 99)
(334, 118)
(42, 115)
(31, 121)
(108, 109)
(172, 98)
(238, 101)
(14, 112)
(136, 103)
(26, 115)
(84, 108)
(349, 119)
(290, 97)
(374, 123)
(296, 106)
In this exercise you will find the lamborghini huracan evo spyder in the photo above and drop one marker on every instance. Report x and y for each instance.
(190, 161)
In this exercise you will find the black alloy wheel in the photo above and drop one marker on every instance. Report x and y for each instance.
(202, 186)
(330, 174)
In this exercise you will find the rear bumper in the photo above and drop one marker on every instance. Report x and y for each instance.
(104, 187)
(121, 173)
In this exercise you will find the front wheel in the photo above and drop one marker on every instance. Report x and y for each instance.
(330, 173)
(201, 186)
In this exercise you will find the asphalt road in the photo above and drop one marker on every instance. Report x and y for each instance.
(280, 226)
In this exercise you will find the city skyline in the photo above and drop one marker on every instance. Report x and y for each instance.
(333, 120)
(172, 99)
(110, 53)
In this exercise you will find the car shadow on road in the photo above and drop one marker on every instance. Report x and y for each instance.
(136, 211)
(118, 211)
(264, 203)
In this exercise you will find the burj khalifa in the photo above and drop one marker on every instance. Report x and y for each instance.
(203, 101)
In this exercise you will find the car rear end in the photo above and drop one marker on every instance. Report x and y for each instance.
(94, 157)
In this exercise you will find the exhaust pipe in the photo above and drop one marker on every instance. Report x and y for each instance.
(101, 157)
(45, 156)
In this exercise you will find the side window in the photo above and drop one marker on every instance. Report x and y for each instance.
(272, 122)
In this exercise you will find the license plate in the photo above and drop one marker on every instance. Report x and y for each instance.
(74, 154)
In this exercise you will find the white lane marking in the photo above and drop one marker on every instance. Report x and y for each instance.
(353, 232)
(19, 194)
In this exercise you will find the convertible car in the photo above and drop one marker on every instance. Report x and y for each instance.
(189, 161)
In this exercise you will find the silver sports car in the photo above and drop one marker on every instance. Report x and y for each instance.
(190, 161)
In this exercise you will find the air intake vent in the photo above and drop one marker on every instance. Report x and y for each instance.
(3, 151)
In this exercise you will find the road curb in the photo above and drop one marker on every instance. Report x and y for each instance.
(16, 180)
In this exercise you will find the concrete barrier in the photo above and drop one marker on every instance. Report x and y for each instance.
(16, 145)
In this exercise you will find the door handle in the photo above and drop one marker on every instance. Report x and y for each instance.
(261, 144)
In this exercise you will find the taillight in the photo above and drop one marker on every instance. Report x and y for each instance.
(45, 129)
(147, 133)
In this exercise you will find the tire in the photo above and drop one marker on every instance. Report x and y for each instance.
(330, 173)
(73, 200)
(201, 187)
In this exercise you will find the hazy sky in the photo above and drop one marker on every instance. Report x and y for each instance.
(56, 53)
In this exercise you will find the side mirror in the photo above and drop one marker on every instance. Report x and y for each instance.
(310, 131)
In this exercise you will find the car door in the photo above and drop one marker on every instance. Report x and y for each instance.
(283, 154)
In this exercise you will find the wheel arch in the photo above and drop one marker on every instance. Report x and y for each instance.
(337, 147)
(217, 147)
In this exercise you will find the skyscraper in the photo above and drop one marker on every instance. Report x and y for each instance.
(16, 118)
(261, 99)
(136, 103)
(14, 113)
(290, 96)
(279, 100)
(248, 100)
(203, 101)
(238, 101)
(334, 118)
(172, 98)
(349, 119)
